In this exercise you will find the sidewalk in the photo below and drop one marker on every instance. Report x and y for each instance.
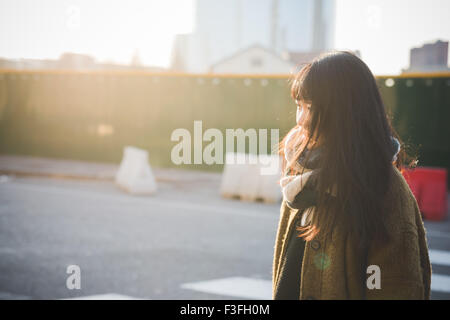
(61, 168)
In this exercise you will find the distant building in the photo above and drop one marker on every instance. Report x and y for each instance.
(258, 59)
(189, 53)
(27, 64)
(431, 57)
(254, 60)
(298, 59)
(74, 61)
(225, 27)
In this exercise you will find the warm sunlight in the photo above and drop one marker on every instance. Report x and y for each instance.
(213, 157)
(105, 29)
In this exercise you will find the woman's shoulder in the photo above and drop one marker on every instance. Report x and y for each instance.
(400, 186)
(401, 203)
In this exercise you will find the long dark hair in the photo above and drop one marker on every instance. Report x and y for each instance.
(347, 114)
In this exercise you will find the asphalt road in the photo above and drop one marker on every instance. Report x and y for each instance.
(140, 247)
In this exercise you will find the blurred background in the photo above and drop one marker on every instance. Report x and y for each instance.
(80, 80)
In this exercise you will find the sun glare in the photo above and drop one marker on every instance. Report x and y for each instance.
(105, 29)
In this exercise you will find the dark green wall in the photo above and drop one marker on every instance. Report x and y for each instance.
(420, 110)
(60, 114)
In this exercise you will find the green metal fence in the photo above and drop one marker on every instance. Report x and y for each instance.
(92, 116)
(420, 110)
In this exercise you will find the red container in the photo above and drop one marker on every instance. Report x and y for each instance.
(429, 186)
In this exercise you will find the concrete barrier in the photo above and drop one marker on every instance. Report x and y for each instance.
(251, 177)
(135, 174)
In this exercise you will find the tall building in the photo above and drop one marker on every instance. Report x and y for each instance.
(225, 27)
(431, 57)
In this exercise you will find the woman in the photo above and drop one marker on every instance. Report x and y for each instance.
(350, 227)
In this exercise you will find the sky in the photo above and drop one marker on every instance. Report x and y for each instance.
(385, 30)
(113, 30)
(110, 30)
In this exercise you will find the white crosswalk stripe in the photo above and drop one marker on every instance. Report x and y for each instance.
(249, 288)
(235, 287)
(243, 287)
(440, 283)
(439, 257)
(106, 296)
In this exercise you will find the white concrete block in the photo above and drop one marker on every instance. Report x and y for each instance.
(135, 174)
(231, 176)
(249, 184)
(251, 177)
(270, 173)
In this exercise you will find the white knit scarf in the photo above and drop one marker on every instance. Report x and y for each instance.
(291, 185)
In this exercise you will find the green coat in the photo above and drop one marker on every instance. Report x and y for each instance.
(332, 268)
